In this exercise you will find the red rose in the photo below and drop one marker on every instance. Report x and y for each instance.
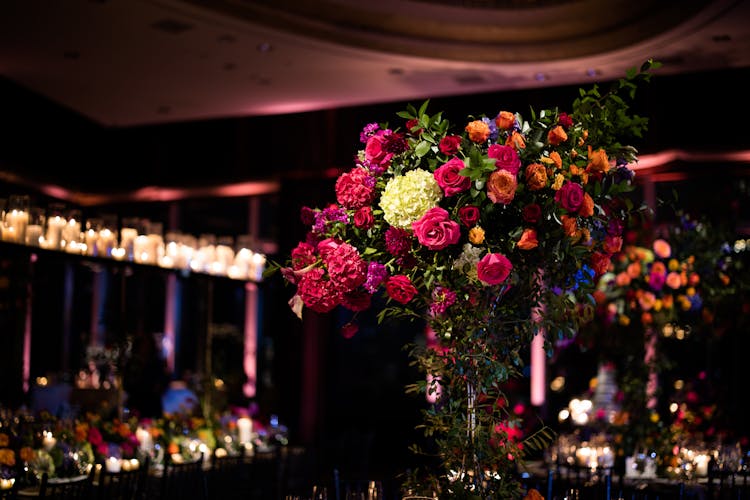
(349, 330)
(400, 289)
(363, 218)
(600, 263)
(494, 268)
(449, 179)
(410, 124)
(469, 215)
(450, 145)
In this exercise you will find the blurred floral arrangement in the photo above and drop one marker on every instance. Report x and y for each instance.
(668, 285)
(474, 232)
(31, 444)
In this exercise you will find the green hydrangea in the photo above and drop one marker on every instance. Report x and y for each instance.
(407, 197)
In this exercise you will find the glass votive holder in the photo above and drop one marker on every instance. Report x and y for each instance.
(107, 236)
(71, 233)
(129, 231)
(16, 218)
(35, 228)
(56, 222)
(91, 235)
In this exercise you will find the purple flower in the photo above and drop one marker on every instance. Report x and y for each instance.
(367, 131)
(376, 273)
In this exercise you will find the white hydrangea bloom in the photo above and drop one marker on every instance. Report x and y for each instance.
(407, 197)
(467, 261)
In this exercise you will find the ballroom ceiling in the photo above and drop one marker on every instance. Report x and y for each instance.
(123, 63)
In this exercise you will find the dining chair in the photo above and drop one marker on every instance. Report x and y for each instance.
(229, 477)
(183, 480)
(69, 488)
(121, 485)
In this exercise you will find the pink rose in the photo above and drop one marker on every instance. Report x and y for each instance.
(449, 179)
(450, 145)
(400, 288)
(436, 230)
(468, 215)
(355, 189)
(506, 158)
(363, 218)
(494, 268)
(570, 196)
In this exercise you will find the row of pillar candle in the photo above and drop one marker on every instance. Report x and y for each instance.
(179, 251)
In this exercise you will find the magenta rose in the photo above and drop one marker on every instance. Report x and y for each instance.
(570, 196)
(307, 216)
(450, 145)
(449, 179)
(469, 215)
(346, 267)
(506, 158)
(436, 230)
(363, 218)
(494, 268)
(375, 153)
(400, 288)
(355, 189)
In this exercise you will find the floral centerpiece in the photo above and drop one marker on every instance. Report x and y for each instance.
(490, 235)
(664, 286)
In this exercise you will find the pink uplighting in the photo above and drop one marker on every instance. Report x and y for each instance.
(249, 359)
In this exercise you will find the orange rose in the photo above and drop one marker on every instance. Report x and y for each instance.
(673, 280)
(505, 120)
(694, 279)
(646, 318)
(622, 279)
(536, 176)
(533, 495)
(557, 136)
(598, 161)
(478, 131)
(528, 240)
(556, 159)
(587, 206)
(569, 225)
(4, 440)
(7, 457)
(634, 269)
(501, 187)
(516, 140)
(658, 267)
(27, 454)
(662, 249)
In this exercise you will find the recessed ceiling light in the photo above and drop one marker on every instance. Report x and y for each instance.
(541, 77)
(264, 47)
(592, 72)
(396, 71)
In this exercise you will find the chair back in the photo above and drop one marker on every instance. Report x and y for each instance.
(229, 476)
(69, 488)
(182, 480)
(121, 485)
